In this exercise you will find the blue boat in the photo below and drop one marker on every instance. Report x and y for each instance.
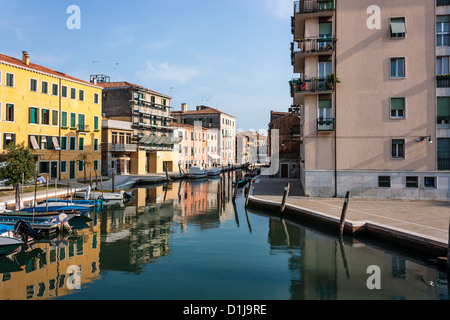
(57, 207)
(47, 224)
(95, 203)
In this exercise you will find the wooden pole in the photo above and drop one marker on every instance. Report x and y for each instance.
(248, 192)
(285, 196)
(234, 191)
(344, 212)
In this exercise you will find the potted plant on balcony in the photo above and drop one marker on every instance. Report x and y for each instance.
(331, 81)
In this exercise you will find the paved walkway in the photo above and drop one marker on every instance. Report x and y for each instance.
(424, 219)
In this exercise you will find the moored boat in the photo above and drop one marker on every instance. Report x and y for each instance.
(197, 172)
(214, 172)
(93, 202)
(9, 245)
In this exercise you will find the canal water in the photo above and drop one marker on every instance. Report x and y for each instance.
(187, 241)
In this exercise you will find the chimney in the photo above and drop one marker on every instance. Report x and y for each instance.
(25, 58)
(184, 107)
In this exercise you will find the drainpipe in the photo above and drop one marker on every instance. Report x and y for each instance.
(335, 102)
(59, 127)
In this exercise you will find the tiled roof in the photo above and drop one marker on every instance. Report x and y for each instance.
(39, 68)
(126, 84)
(207, 110)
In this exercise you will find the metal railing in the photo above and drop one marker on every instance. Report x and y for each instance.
(313, 45)
(82, 128)
(310, 86)
(325, 124)
(123, 147)
(308, 6)
(442, 2)
(443, 81)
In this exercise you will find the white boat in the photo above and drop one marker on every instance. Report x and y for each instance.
(214, 172)
(197, 172)
(98, 195)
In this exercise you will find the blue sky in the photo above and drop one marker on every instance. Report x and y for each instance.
(230, 54)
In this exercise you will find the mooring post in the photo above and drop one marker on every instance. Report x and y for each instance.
(285, 195)
(234, 191)
(448, 251)
(248, 192)
(344, 212)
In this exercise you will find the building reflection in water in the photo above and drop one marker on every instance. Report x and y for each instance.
(323, 267)
(129, 238)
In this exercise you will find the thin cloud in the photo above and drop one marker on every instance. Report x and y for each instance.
(167, 71)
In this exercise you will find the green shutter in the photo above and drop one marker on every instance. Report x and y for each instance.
(324, 104)
(73, 120)
(325, 28)
(398, 25)
(443, 107)
(64, 119)
(398, 104)
(440, 19)
(96, 123)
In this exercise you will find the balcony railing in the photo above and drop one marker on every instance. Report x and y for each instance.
(325, 124)
(442, 2)
(308, 6)
(443, 123)
(313, 45)
(443, 81)
(123, 147)
(310, 86)
(82, 128)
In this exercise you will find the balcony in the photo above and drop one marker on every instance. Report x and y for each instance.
(443, 123)
(122, 147)
(325, 124)
(310, 86)
(443, 81)
(313, 47)
(82, 128)
(313, 6)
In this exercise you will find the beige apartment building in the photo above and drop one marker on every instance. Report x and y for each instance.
(381, 131)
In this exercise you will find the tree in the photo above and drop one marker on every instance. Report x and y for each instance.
(83, 157)
(17, 162)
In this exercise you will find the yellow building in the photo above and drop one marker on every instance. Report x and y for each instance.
(56, 115)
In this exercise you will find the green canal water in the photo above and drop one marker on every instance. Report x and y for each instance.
(183, 242)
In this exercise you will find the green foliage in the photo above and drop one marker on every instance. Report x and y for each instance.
(17, 161)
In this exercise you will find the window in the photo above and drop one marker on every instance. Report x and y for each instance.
(73, 93)
(114, 138)
(9, 115)
(443, 153)
(44, 87)
(95, 165)
(96, 98)
(9, 138)
(63, 143)
(64, 120)
(43, 142)
(33, 142)
(10, 80)
(33, 85)
(397, 108)
(45, 116)
(412, 182)
(80, 165)
(398, 148)
(72, 143)
(63, 166)
(442, 66)
(64, 91)
(429, 182)
(96, 126)
(442, 31)
(95, 144)
(384, 182)
(44, 167)
(55, 119)
(81, 95)
(55, 89)
(81, 124)
(81, 144)
(325, 32)
(398, 28)
(73, 120)
(397, 67)
(128, 138)
(33, 115)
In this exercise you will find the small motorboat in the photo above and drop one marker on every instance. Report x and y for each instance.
(196, 172)
(94, 202)
(214, 172)
(104, 196)
(9, 245)
(57, 207)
